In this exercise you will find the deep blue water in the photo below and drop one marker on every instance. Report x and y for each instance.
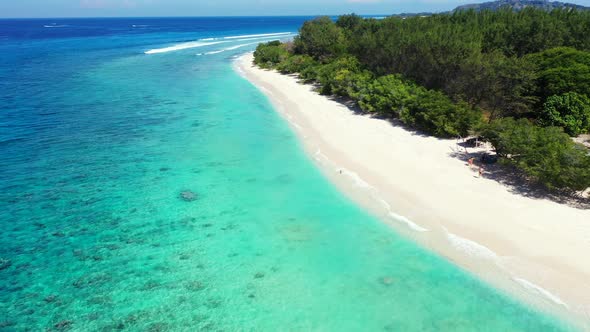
(146, 186)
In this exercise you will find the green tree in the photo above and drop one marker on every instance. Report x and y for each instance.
(270, 54)
(386, 95)
(349, 22)
(545, 154)
(335, 76)
(296, 64)
(434, 113)
(571, 111)
(562, 70)
(502, 85)
(320, 38)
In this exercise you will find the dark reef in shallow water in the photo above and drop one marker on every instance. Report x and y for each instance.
(63, 325)
(386, 281)
(4, 263)
(188, 196)
(194, 286)
(6, 324)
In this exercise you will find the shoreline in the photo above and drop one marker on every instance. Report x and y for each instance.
(534, 249)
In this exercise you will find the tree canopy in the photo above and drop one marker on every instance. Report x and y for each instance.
(544, 154)
(524, 76)
(571, 111)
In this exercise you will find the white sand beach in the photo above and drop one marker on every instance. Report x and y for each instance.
(534, 248)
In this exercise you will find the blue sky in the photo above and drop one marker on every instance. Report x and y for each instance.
(104, 8)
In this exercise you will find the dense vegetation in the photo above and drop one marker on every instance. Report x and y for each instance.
(544, 153)
(520, 4)
(521, 79)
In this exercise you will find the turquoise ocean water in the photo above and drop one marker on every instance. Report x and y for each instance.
(99, 139)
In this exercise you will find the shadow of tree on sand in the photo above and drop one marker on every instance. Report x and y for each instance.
(354, 108)
(513, 179)
(518, 183)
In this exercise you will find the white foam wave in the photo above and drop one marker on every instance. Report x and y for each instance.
(296, 125)
(271, 38)
(385, 204)
(274, 34)
(140, 25)
(539, 290)
(251, 37)
(227, 49)
(56, 26)
(470, 247)
(408, 222)
(214, 41)
(265, 90)
(182, 46)
(238, 46)
(248, 39)
(358, 181)
(214, 52)
(319, 156)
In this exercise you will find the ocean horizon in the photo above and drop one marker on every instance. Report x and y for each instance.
(146, 186)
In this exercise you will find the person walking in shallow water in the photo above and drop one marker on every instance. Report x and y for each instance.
(481, 170)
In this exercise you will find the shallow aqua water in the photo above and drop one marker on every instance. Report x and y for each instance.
(98, 141)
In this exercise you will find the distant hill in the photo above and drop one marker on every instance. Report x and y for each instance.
(521, 4)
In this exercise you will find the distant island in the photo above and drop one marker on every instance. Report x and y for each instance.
(521, 4)
(516, 5)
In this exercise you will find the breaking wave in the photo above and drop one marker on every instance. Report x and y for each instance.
(471, 248)
(262, 35)
(539, 290)
(227, 49)
(182, 46)
(408, 222)
(56, 26)
(218, 40)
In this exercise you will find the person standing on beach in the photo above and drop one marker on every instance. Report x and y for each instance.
(481, 170)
